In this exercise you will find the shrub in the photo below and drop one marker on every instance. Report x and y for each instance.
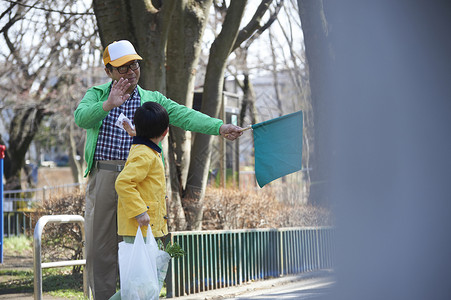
(62, 241)
(238, 209)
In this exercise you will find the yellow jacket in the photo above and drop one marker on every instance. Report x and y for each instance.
(141, 187)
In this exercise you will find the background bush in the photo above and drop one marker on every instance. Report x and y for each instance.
(62, 241)
(263, 208)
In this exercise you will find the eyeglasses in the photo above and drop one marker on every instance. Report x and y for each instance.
(124, 69)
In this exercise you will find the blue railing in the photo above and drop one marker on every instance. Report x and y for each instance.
(218, 259)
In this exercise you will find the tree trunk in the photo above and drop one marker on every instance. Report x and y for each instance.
(211, 100)
(76, 167)
(319, 56)
(24, 127)
(182, 58)
(248, 103)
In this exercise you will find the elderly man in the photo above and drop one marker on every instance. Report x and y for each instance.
(107, 148)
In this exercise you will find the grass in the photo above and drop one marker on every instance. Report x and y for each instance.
(58, 282)
(14, 281)
(17, 244)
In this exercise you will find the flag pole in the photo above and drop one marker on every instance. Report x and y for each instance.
(247, 128)
(241, 130)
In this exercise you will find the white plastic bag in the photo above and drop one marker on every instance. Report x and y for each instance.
(163, 259)
(142, 268)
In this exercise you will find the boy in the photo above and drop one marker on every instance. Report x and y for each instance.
(141, 186)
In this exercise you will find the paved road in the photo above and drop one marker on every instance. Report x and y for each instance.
(311, 285)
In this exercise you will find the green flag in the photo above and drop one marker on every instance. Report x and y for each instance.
(278, 147)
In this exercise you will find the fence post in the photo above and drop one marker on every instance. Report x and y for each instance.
(281, 261)
(37, 262)
(170, 274)
(2, 156)
(44, 193)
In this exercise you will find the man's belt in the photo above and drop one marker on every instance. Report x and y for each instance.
(108, 166)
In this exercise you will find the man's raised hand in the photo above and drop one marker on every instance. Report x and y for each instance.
(118, 94)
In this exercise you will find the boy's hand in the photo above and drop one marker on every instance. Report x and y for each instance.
(143, 219)
(129, 129)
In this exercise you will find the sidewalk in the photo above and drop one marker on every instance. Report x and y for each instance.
(235, 291)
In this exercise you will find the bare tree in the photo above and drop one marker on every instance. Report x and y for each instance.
(241, 66)
(41, 47)
(284, 62)
(293, 63)
(228, 40)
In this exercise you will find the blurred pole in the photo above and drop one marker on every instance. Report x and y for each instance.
(2, 156)
(390, 103)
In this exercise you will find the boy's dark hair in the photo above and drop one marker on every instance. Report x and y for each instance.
(151, 120)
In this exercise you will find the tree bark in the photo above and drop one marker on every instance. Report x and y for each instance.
(75, 165)
(249, 99)
(182, 57)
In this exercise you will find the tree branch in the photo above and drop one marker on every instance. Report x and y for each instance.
(254, 23)
(9, 9)
(50, 10)
(271, 20)
(23, 68)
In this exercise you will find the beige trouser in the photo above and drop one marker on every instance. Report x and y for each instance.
(101, 233)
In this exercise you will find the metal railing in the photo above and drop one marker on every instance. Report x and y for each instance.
(17, 204)
(37, 259)
(218, 259)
